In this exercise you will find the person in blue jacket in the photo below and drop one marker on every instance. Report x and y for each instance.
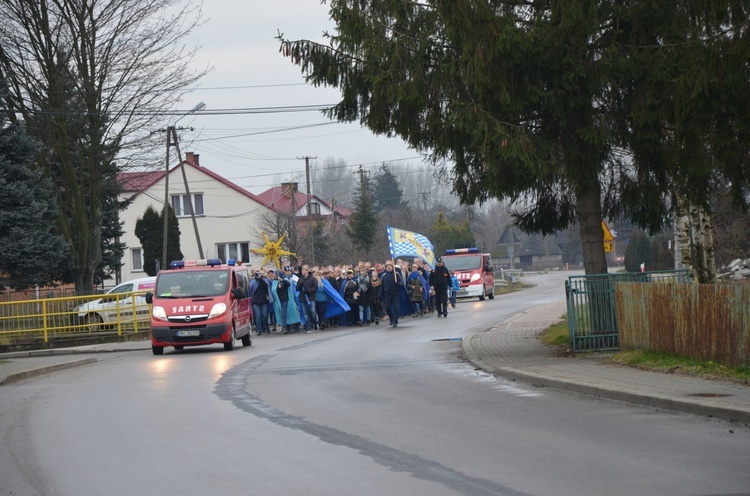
(455, 286)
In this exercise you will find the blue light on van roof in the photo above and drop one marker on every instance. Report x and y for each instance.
(461, 250)
(181, 264)
(230, 262)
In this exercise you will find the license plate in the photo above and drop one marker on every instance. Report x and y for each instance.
(188, 334)
(462, 292)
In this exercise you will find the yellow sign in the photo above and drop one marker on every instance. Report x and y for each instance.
(609, 246)
(607, 234)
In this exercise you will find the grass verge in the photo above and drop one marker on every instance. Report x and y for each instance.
(557, 335)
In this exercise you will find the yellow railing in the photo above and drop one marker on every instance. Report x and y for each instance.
(49, 318)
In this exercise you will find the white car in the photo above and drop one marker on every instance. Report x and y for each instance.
(118, 301)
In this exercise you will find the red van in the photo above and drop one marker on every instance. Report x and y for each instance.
(198, 302)
(473, 270)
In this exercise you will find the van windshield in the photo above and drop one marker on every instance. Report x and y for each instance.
(464, 262)
(193, 283)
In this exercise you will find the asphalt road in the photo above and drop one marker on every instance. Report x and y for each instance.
(351, 411)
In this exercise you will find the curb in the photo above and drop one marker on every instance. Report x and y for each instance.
(660, 401)
(47, 370)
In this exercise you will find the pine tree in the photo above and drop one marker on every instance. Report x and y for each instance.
(386, 191)
(363, 222)
(31, 250)
(443, 235)
(638, 252)
(150, 232)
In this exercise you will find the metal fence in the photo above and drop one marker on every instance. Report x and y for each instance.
(43, 320)
(592, 306)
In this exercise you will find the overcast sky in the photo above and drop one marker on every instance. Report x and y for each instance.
(237, 41)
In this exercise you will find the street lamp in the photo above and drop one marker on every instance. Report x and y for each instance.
(172, 136)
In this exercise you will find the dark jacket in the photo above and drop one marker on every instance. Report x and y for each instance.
(391, 283)
(348, 288)
(307, 287)
(282, 289)
(440, 278)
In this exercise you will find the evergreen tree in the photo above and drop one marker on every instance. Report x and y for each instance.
(386, 191)
(31, 250)
(535, 100)
(363, 222)
(150, 232)
(638, 252)
(445, 235)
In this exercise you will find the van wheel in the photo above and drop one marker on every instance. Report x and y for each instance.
(491, 296)
(229, 345)
(481, 296)
(94, 322)
(157, 350)
(247, 339)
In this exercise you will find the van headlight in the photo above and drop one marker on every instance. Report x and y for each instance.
(159, 313)
(217, 310)
(475, 277)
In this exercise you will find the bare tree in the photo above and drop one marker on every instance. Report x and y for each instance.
(333, 180)
(91, 78)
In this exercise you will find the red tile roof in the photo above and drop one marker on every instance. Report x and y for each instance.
(138, 182)
(279, 200)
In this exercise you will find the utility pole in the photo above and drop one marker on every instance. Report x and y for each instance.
(309, 210)
(361, 173)
(187, 190)
(172, 140)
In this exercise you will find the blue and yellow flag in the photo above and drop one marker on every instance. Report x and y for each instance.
(409, 244)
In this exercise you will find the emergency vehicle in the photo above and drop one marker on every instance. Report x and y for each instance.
(200, 302)
(473, 270)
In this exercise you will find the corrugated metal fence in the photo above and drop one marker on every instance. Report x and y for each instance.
(592, 309)
(703, 321)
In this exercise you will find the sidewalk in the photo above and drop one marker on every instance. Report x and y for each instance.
(511, 349)
(21, 365)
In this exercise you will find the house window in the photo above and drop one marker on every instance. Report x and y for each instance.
(136, 256)
(233, 251)
(181, 205)
(314, 208)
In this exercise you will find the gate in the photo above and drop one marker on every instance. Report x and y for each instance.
(592, 306)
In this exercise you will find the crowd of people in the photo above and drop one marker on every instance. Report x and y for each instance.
(307, 299)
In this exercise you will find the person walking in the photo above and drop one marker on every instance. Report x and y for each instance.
(260, 294)
(377, 305)
(321, 299)
(284, 300)
(455, 286)
(440, 280)
(349, 292)
(417, 288)
(390, 288)
(364, 297)
(307, 286)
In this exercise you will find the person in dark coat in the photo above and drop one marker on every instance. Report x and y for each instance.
(307, 286)
(349, 292)
(390, 288)
(440, 280)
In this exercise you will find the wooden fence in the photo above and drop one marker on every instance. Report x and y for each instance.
(704, 321)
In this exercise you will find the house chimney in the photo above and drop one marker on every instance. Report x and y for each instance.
(288, 189)
(193, 158)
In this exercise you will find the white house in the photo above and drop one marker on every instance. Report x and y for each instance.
(226, 215)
